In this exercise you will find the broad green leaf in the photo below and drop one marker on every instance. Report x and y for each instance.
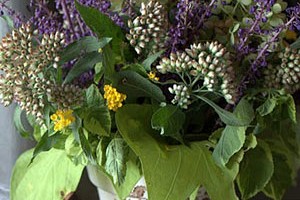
(138, 68)
(226, 116)
(296, 44)
(231, 141)
(267, 107)
(103, 26)
(281, 179)
(291, 107)
(250, 143)
(233, 137)
(172, 172)
(74, 151)
(101, 150)
(86, 145)
(86, 63)
(256, 169)
(81, 46)
(116, 158)
(99, 72)
(19, 124)
(244, 112)
(169, 120)
(52, 176)
(46, 143)
(97, 120)
(135, 85)
(93, 96)
(151, 59)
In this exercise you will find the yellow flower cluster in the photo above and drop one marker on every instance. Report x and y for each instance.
(113, 98)
(62, 119)
(152, 76)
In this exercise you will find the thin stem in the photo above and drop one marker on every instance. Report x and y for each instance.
(68, 18)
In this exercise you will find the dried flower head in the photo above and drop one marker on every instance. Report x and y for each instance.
(286, 75)
(24, 65)
(147, 31)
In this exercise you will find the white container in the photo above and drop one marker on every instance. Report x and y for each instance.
(106, 190)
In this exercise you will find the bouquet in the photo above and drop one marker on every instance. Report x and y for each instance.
(188, 94)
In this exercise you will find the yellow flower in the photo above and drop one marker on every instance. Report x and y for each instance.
(152, 76)
(113, 98)
(62, 119)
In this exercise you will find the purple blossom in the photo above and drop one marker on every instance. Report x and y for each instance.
(294, 12)
(189, 20)
(259, 12)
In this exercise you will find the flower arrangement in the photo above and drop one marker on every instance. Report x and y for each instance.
(186, 93)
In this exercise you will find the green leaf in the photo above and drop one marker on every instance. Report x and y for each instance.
(116, 158)
(83, 45)
(231, 141)
(246, 2)
(97, 120)
(276, 21)
(86, 145)
(296, 44)
(233, 137)
(74, 151)
(226, 116)
(276, 8)
(291, 108)
(151, 59)
(250, 143)
(135, 85)
(169, 120)
(267, 107)
(86, 63)
(172, 172)
(19, 124)
(281, 179)
(256, 170)
(101, 150)
(46, 143)
(244, 112)
(103, 26)
(9, 21)
(52, 176)
(93, 96)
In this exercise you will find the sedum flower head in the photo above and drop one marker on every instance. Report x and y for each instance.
(113, 98)
(62, 119)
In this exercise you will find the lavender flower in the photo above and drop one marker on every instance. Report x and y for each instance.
(259, 12)
(189, 19)
(294, 12)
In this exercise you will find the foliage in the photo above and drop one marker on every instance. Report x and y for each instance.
(187, 94)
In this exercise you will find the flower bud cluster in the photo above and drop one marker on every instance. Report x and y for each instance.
(287, 74)
(22, 65)
(66, 96)
(182, 96)
(147, 31)
(210, 62)
(177, 62)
